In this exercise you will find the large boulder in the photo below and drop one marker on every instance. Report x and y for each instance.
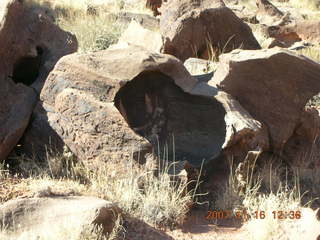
(202, 28)
(51, 215)
(82, 99)
(274, 85)
(103, 110)
(30, 44)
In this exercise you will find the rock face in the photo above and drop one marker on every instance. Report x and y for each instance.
(86, 86)
(267, 12)
(136, 34)
(30, 44)
(104, 111)
(302, 148)
(17, 103)
(268, 8)
(273, 85)
(145, 20)
(48, 216)
(154, 5)
(196, 28)
(296, 31)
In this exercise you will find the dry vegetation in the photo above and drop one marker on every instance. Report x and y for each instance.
(150, 194)
(154, 198)
(311, 52)
(93, 22)
(143, 192)
(306, 4)
(267, 190)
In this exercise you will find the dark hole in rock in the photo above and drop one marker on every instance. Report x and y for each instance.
(26, 69)
(190, 127)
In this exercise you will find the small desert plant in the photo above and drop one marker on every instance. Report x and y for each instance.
(272, 204)
(155, 198)
(311, 52)
(306, 4)
(215, 51)
(95, 232)
(95, 23)
(4, 172)
(93, 33)
(147, 194)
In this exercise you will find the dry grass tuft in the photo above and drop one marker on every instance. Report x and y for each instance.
(154, 198)
(311, 52)
(271, 191)
(306, 4)
(149, 194)
(93, 22)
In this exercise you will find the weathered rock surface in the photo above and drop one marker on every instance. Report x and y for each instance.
(273, 85)
(30, 44)
(136, 34)
(197, 66)
(104, 111)
(296, 31)
(267, 12)
(17, 103)
(145, 20)
(302, 148)
(49, 216)
(39, 138)
(79, 96)
(243, 132)
(190, 26)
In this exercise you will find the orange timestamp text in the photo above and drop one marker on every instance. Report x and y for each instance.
(244, 215)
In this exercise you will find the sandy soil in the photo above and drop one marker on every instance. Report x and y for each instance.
(196, 227)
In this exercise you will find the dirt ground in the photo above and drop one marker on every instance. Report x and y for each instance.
(196, 227)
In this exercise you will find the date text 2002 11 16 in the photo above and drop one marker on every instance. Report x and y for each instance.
(225, 214)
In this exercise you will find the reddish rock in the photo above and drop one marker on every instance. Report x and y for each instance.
(303, 147)
(30, 46)
(274, 85)
(154, 5)
(191, 26)
(296, 31)
(104, 111)
(48, 214)
(81, 96)
(31, 43)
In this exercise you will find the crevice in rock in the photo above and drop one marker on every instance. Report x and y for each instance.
(26, 70)
(189, 127)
